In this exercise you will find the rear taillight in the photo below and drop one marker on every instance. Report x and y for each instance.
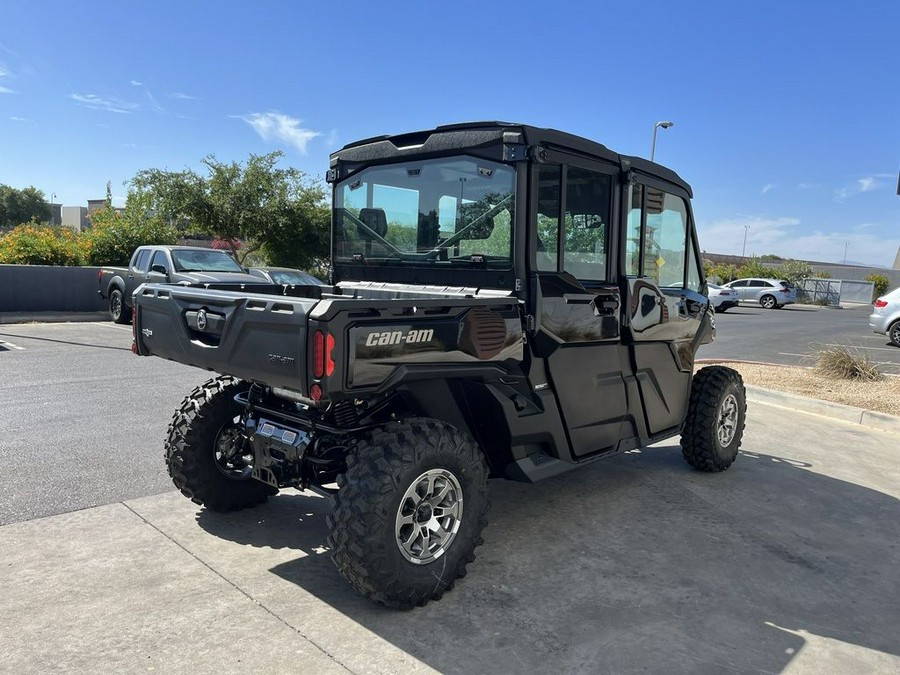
(318, 354)
(785, 290)
(879, 303)
(323, 346)
(99, 276)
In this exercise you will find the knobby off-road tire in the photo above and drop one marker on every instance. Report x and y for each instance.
(715, 421)
(402, 479)
(118, 312)
(207, 454)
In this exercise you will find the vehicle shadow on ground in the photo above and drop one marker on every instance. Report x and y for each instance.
(635, 563)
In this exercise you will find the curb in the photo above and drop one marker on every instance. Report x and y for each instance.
(837, 411)
(51, 317)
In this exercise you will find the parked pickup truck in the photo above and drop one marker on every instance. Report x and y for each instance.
(504, 301)
(167, 265)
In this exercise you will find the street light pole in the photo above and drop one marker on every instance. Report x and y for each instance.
(744, 247)
(664, 125)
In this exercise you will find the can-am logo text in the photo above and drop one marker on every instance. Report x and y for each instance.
(399, 337)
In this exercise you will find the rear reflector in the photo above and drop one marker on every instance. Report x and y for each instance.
(315, 392)
(329, 362)
(879, 303)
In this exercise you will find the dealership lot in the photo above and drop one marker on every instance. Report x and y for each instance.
(787, 560)
(794, 334)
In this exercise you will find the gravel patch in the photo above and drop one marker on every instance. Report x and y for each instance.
(881, 396)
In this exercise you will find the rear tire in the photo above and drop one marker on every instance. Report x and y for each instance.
(715, 421)
(409, 512)
(118, 311)
(768, 302)
(894, 333)
(207, 453)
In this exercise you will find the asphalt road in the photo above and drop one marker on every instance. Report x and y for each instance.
(794, 334)
(82, 420)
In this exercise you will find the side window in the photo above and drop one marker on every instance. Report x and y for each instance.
(738, 284)
(586, 224)
(140, 264)
(694, 276)
(159, 258)
(758, 283)
(656, 244)
(549, 177)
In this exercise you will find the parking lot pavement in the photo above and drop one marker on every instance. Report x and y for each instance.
(787, 562)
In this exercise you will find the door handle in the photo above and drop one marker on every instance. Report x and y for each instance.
(606, 304)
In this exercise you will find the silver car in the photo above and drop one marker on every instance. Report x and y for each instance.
(885, 318)
(769, 293)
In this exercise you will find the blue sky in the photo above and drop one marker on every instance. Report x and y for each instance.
(787, 114)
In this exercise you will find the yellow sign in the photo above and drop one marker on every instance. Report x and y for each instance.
(660, 261)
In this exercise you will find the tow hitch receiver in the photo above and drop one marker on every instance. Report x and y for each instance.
(277, 450)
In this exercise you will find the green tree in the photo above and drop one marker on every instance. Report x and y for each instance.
(21, 206)
(795, 271)
(754, 268)
(881, 283)
(113, 236)
(254, 207)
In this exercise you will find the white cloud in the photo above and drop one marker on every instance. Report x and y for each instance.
(136, 83)
(4, 90)
(19, 119)
(766, 188)
(108, 104)
(273, 126)
(182, 96)
(785, 237)
(155, 104)
(866, 184)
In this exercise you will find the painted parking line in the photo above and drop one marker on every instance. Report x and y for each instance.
(110, 325)
(10, 345)
(880, 349)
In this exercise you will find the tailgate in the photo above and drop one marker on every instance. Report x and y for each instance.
(250, 336)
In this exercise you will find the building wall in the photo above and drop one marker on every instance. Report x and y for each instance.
(75, 217)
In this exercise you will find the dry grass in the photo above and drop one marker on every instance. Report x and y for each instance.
(846, 363)
(882, 395)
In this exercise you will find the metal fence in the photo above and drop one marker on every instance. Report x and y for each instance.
(835, 291)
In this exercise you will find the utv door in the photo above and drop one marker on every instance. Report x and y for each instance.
(576, 300)
(665, 312)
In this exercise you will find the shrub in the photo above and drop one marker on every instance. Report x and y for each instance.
(34, 244)
(881, 284)
(846, 363)
(114, 236)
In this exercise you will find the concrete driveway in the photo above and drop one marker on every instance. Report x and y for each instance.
(785, 563)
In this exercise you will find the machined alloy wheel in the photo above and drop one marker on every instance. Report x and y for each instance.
(429, 516)
(118, 312)
(768, 302)
(728, 420)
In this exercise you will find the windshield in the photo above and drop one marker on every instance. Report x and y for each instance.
(449, 211)
(200, 260)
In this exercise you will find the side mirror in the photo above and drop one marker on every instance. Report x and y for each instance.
(158, 268)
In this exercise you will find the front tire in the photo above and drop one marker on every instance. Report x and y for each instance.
(118, 311)
(768, 302)
(207, 452)
(894, 333)
(715, 421)
(409, 512)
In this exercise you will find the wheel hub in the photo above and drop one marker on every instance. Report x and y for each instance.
(232, 459)
(429, 516)
(726, 426)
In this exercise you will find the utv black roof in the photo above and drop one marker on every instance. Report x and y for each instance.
(471, 135)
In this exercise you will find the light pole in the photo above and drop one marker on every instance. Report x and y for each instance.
(52, 210)
(664, 125)
(744, 247)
